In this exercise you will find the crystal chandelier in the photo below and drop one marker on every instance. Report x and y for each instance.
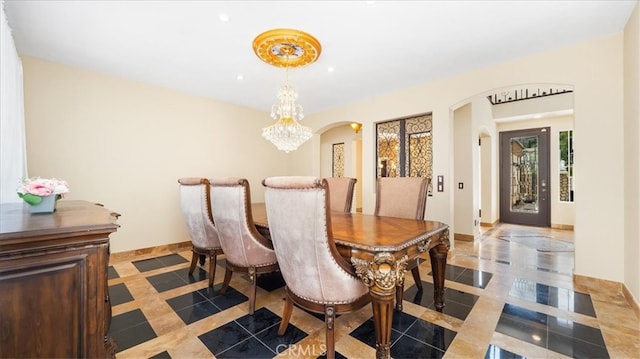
(287, 48)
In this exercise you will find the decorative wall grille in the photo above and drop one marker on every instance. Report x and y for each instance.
(405, 148)
(338, 160)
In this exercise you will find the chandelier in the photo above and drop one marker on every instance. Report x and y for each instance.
(287, 48)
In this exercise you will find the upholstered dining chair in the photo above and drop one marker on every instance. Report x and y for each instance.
(196, 209)
(245, 249)
(341, 193)
(404, 197)
(317, 278)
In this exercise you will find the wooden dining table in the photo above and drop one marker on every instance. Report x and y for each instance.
(380, 248)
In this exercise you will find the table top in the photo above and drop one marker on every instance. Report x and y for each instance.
(70, 216)
(369, 232)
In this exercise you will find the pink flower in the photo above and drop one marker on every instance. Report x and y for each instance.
(43, 186)
(38, 189)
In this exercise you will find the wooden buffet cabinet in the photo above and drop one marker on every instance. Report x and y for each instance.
(54, 299)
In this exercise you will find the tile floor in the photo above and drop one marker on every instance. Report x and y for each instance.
(508, 295)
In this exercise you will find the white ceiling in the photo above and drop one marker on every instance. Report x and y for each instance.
(374, 46)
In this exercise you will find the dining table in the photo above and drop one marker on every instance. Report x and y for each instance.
(380, 248)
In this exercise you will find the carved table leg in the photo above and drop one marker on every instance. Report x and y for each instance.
(381, 275)
(382, 305)
(438, 255)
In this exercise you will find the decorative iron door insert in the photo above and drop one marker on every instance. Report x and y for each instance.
(524, 177)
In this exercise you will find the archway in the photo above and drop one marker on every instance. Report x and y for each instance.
(475, 123)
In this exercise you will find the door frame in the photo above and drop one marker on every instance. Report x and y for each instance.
(543, 177)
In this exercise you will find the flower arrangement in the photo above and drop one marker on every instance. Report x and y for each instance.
(31, 190)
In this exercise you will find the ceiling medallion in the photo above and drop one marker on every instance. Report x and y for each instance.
(287, 47)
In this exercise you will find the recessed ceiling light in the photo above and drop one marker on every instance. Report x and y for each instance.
(240, 77)
(330, 69)
(223, 17)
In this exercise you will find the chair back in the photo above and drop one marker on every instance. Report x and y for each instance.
(196, 209)
(341, 193)
(241, 242)
(404, 197)
(300, 226)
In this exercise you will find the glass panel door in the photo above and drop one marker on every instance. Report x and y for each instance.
(524, 177)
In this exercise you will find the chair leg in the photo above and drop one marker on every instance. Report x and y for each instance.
(194, 261)
(330, 340)
(286, 315)
(227, 278)
(252, 290)
(212, 268)
(416, 277)
(399, 295)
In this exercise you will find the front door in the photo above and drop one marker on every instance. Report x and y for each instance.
(524, 177)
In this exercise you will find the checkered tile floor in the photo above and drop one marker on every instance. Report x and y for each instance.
(160, 311)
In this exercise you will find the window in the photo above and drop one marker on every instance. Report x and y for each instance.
(566, 166)
(338, 160)
(405, 148)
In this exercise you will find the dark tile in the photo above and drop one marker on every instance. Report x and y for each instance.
(260, 320)
(402, 321)
(146, 265)
(422, 297)
(119, 294)
(199, 274)
(524, 314)
(291, 336)
(575, 348)
(576, 330)
(133, 336)
(409, 348)
(171, 259)
(186, 300)
(474, 278)
(163, 355)
(338, 356)
(454, 309)
(177, 278)
(432, 334)
(270, 281)
(197, 312)
(542, 294)
(227, 300)
(456, 303)
(224, 337)
(571, 301)
(166, 281)
(452, 272)
(126, 320)
(582, 304)
(112, 273)
(565, 299)
(526, 331)
(366, 333)
(249, 348)
(453, 295)
(494, 352)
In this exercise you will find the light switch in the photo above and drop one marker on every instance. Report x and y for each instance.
(460, 185)
(440, 183)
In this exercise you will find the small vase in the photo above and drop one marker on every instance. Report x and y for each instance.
(48, 205)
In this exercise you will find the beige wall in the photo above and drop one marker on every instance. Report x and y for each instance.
(124, 144)
(632, 151)
(599, 213)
